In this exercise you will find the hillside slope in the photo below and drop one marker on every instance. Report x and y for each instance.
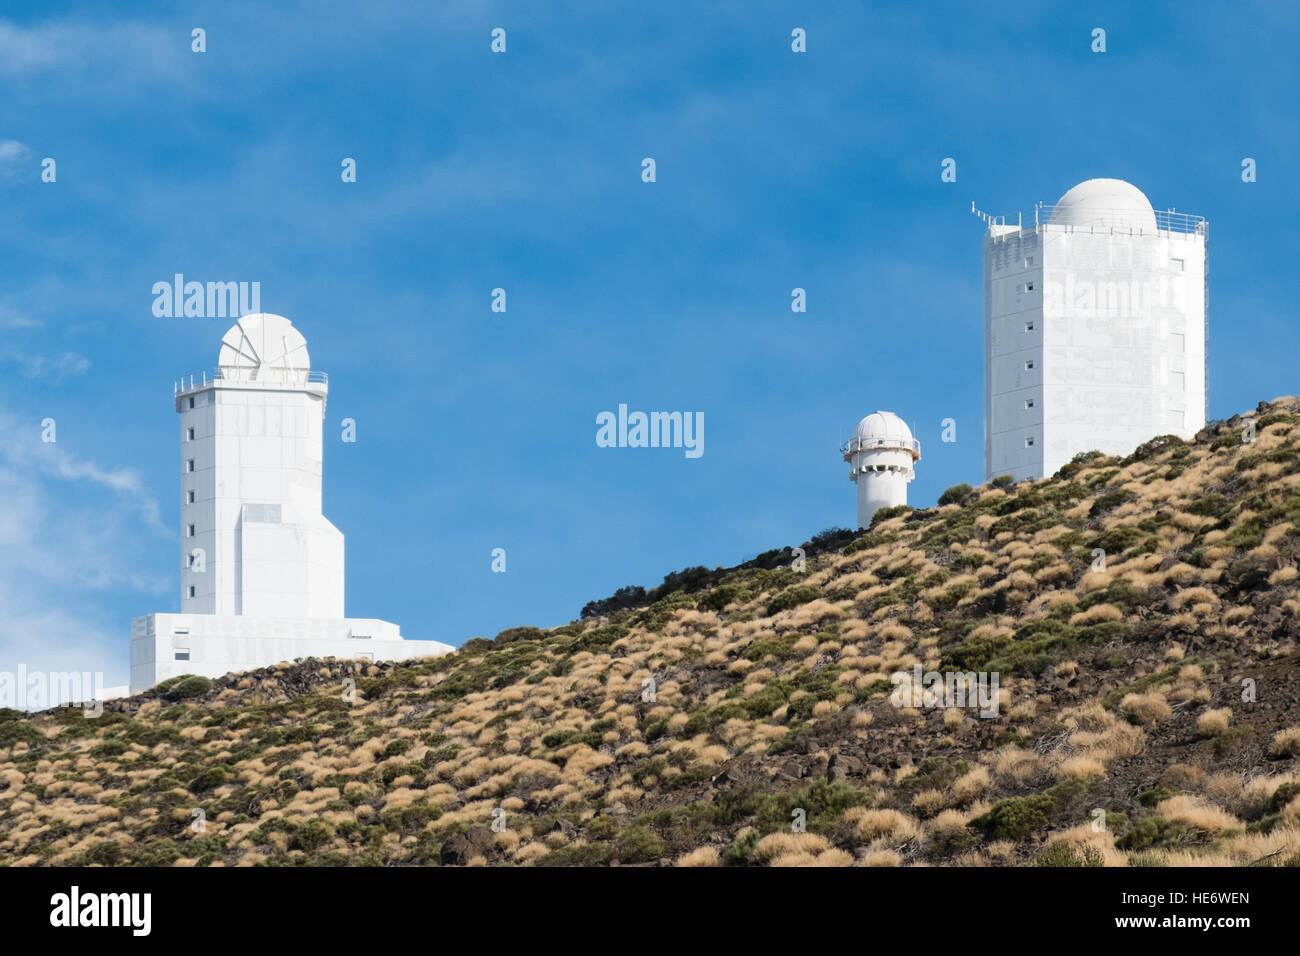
(696, 729)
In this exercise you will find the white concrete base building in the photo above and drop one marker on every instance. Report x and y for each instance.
(262, 568)
(1094, 328)
(881, 455)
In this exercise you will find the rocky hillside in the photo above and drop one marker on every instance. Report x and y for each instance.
(1140, 615)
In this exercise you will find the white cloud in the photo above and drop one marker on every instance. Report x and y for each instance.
(65, 557)
(12, 320)
(14, 156)
(54, 367)
(57, 45)
(35, 457)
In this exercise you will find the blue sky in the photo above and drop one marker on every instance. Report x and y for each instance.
(476, 430)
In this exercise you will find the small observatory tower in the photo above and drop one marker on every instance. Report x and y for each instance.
(261, 566)
(1094, 328)
(881, 454)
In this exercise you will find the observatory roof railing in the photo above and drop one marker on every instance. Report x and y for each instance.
(856, 444)
(1091, 219)
(1166, 219)
(260, 375)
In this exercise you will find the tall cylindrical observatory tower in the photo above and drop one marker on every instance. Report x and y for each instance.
(880, 454)
(1094, 329)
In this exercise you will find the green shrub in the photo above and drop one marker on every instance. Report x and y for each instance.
(721, 596)
(184, 687)
(588, 854)
(1060, 853)
(13, 731)
(955, 494)
(1158, 833)
(1208, 506)
(777, 645)
(1156, 794)
(636, 844)
(793, 597)
(109, 748)
(207, 779)
(106, 853)
(1002, 481)
(512, 634)
(311, 835)
(893, 511)
(1015, 817)
(1108, 501)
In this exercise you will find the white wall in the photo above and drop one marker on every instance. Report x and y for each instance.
(168, 645)
(268, 550)
(1118, 343)
(883, 488)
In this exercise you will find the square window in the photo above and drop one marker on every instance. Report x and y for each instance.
(1029, 287)
(1029, 364)
(1177, 264)
(1029, 262)
(1029, 443)
(1029, 403)
(1029, 326)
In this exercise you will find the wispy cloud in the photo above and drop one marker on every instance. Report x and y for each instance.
(50, 367)
(13, 320)
(64, 46)
(13, 157)
(49, 459)
(66, 557)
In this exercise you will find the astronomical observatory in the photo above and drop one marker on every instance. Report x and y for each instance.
(880, 454)
(261, 566)
(1094, 329)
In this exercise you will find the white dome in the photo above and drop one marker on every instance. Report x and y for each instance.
(881, 431)
(262, 345)
(883, 425)
(1107, 204)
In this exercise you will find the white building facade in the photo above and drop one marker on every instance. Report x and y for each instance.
(881, 455)
(261, 567)
(1095, 328)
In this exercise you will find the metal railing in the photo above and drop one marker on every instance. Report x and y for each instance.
(1122, 220)
(1113, 221)
(260, 375)
(856, 444)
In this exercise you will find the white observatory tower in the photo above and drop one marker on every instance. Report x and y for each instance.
(1094, 329)
(880, 454)
(261, 566)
